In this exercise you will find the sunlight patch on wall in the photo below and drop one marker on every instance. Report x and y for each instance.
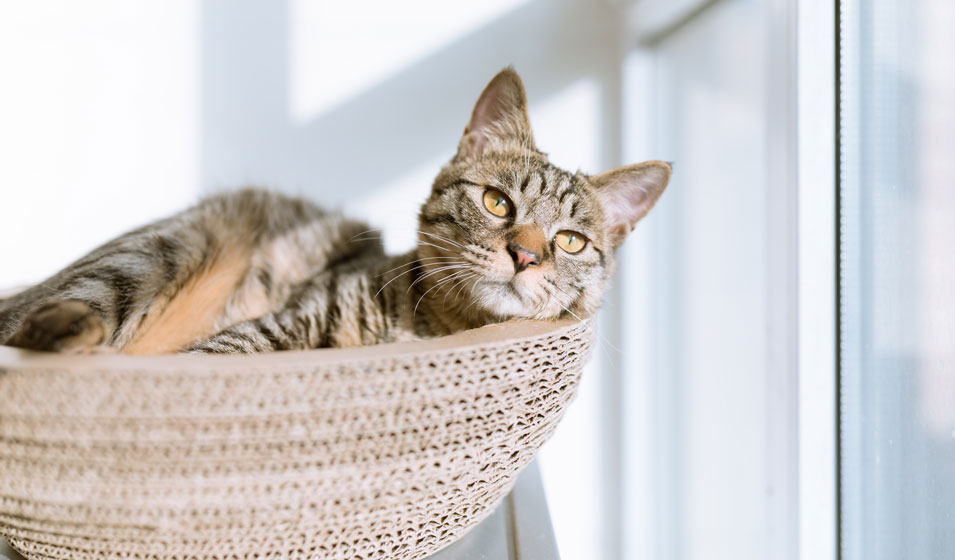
(339, 49)
(567, 126)
(99, 107)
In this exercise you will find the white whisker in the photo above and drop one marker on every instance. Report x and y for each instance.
(437, 284)
(402, 274)
(373, 230)
(416, 261)
(430, 273)
(436, 246)
(600, 336)
(441, 238)
(458, 283)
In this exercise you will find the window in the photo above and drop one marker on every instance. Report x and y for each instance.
(897, 311)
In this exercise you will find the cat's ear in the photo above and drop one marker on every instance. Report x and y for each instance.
(626, 194)
(499, 119)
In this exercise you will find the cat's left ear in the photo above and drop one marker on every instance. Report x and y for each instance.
(500, 118)
(626, 194)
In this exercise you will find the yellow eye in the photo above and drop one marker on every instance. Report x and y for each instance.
(570, 241)
(496, 203)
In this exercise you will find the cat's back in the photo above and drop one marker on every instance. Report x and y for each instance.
(231, 257)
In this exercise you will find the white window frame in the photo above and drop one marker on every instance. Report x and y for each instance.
(804, 152)
(817, 280)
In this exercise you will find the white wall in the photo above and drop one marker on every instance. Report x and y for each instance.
(98, 125)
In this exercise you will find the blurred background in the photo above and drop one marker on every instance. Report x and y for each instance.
(776, 376)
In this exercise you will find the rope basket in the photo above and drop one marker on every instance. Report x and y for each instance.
(389, 451)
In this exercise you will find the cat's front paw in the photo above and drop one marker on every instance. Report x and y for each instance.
(62, 326)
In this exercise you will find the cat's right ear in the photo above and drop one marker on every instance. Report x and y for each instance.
(626, 194)
(500, 119)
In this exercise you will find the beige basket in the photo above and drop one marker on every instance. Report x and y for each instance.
(389, 451)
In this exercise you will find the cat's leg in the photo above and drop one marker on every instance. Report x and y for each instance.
(269, 333)
(83, 307)
(335, 308)
(110, 297)
(86, 306)
(306, 321)
(62, 326)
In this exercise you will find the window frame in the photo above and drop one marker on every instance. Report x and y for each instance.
(804, 153)
(817, 133)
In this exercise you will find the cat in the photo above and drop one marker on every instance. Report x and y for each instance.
(504, 234)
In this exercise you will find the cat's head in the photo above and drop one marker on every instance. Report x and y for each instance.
(506, 234)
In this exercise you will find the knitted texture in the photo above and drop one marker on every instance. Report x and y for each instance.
(389, 451)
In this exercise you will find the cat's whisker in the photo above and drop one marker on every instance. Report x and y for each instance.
(416, 261)
(441, 238)
(360, 233)
(400, 275)
(579, 318)
(445, 249)
(453, 276)
(447, 293)
(378, 293)
(475, 276)
(436, 271)
(599, 336)
(437, 284)
(378, 233)
(564, 307)
(364, 236)
(458, 283)
(474, 302)
(546, 296)
(444, 267)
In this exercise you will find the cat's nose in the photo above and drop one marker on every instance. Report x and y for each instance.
(522, 257)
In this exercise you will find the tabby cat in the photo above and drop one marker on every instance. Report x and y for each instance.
(504, 234)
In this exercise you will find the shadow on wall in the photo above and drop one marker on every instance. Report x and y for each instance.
(405, 122)
(400, 123)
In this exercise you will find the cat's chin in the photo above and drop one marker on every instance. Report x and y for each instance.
(504, 300)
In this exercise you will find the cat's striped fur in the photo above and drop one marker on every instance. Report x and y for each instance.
(254, 271)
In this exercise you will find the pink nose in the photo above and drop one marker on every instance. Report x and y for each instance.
(522, 257)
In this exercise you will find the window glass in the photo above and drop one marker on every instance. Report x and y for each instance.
(897, 279)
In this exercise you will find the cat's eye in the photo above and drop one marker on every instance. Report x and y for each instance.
(496, 203)
(570, 241)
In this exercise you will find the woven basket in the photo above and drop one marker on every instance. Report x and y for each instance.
(389, 451)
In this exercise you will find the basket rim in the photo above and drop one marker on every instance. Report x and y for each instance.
(508, 332)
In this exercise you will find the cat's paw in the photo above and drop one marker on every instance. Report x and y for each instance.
(62, 326)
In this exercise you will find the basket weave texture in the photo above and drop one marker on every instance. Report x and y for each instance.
(390, 451)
